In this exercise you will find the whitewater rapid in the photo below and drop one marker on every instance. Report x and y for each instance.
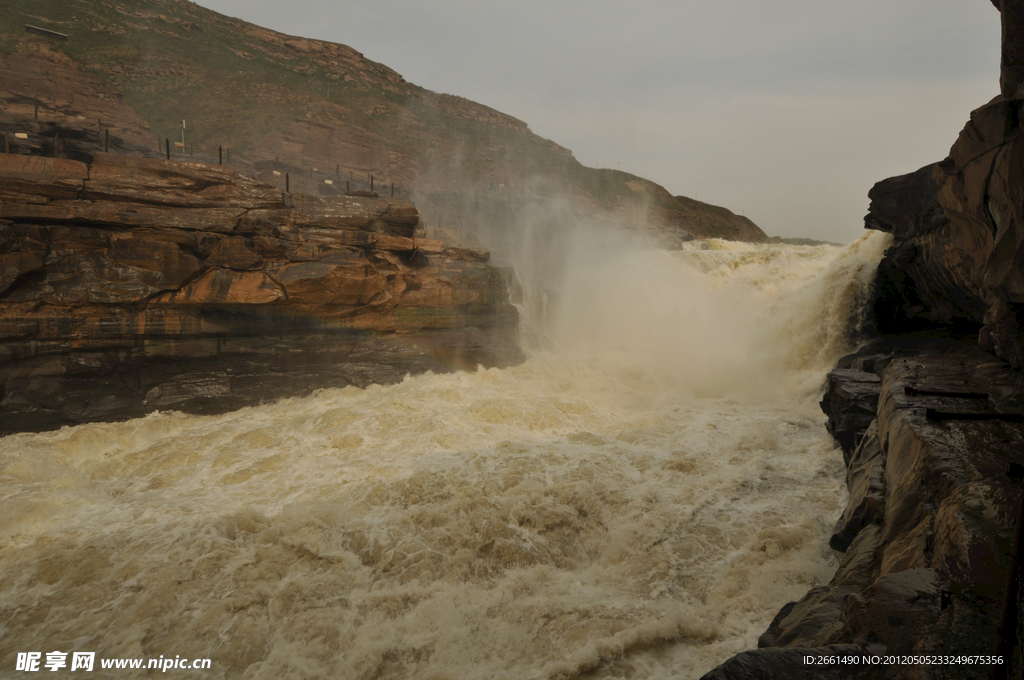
(637, 500)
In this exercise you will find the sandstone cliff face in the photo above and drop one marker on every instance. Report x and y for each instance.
(958, 258)
(132, 285)
(932, 433)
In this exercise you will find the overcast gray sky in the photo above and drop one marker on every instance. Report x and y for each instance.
(786, 111)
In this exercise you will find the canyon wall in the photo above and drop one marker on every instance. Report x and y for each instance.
(130, 285)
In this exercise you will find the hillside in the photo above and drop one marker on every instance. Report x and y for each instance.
(275, 103)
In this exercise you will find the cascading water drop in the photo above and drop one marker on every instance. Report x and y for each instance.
(634, 501)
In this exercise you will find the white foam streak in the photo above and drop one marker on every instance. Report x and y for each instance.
(636, 500)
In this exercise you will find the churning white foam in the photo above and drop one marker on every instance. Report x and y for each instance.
(635, 501)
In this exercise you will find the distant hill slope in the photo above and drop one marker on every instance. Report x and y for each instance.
(316, 110)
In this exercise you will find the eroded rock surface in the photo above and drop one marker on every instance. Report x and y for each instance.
(934, 483)
(958, 256)
(132, 285)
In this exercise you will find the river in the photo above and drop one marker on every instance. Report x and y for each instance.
(636, 500)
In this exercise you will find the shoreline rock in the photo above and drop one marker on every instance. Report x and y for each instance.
(935, 490)
(131, 285)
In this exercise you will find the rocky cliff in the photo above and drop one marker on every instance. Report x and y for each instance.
(130, 285)
(932, 433)
(958, 258)
(930, 419)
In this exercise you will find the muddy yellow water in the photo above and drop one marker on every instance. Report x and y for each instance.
(634, 501)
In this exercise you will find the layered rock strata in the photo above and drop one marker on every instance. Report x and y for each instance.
(958, 256)
(131, 285)
(935, 490)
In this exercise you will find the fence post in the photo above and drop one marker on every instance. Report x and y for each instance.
(392, 190)
(371, 182)
(220, 155)
(287, 186)
(167, 141)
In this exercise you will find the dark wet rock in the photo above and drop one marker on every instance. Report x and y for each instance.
(931, 516)
(135, 285)
(865, 479)
(932, 510)
(1011, 76)
(905, 206)
(850, 401)
(957, 261)
(771, 635)
(814, 618)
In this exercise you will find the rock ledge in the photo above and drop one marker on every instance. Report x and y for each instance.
(131, 285)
